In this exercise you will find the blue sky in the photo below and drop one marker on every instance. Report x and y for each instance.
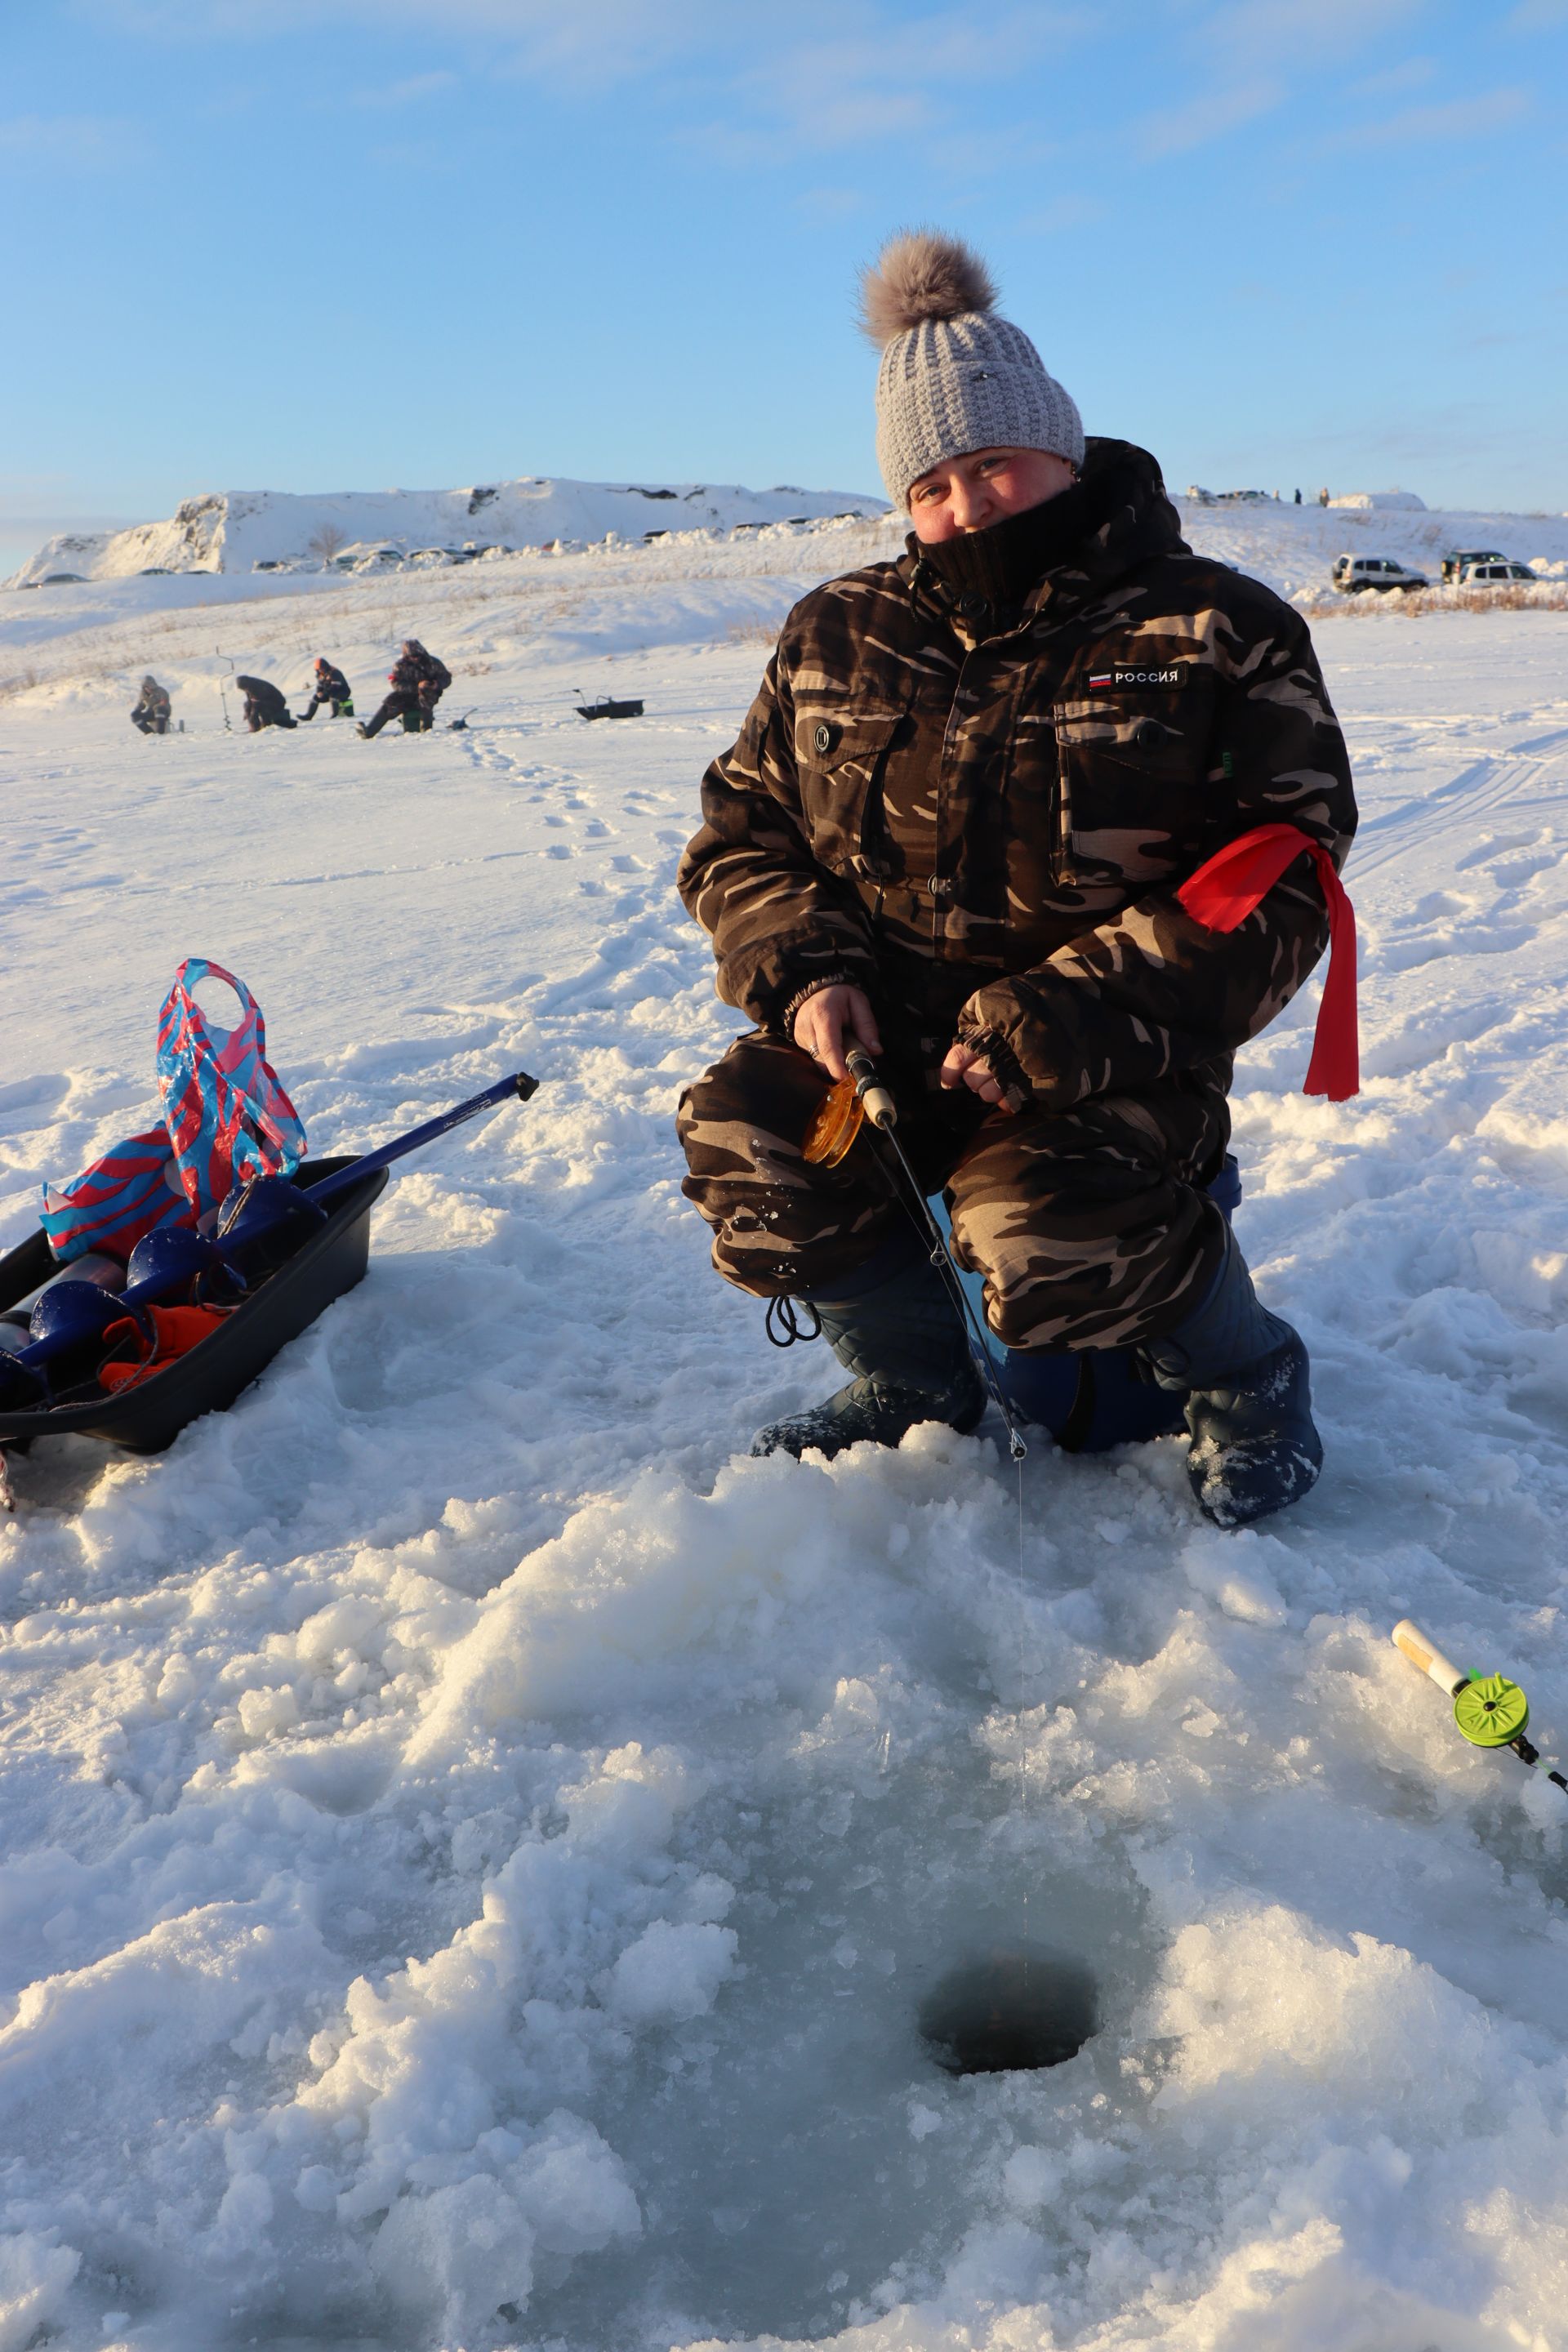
(324, 244)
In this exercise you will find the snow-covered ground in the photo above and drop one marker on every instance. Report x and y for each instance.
(476, 1845)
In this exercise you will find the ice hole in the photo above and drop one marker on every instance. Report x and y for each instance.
(1010, 2010)
(780, 2144)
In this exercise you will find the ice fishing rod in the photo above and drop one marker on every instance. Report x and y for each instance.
(876, 1102)
(1490, 1711)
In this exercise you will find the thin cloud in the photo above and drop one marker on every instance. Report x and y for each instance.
(80, 143)
(1062, 213)
(847, 118)
(984, 153)
(1462, 117)
(853, 119)
(1414, 74)
(1286, 34)
(830, 204)
(869, 71)
(405, 93)
(45, 526)
(1178, 129)
(901, 75)
(617, 35)
(1537, 15)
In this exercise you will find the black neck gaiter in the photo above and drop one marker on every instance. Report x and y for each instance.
(1002, 563)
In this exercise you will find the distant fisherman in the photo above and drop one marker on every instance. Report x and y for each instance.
(331, 685)
(150, 712)
(264, 704)
(418, 680)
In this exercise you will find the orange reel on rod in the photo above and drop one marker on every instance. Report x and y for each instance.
(836, 1122)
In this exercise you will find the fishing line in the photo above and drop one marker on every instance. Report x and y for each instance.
(1023, 1734)
(880, 1107)
(883, 1112)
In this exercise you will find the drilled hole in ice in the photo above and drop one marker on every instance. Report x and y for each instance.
(1011, 2009)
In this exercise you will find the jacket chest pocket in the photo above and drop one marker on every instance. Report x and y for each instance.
(1133, 786)
(841, 758)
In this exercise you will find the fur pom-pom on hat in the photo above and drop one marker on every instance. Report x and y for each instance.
(920, 274)
(954, 375)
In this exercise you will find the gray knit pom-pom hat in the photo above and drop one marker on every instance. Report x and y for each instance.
(954, 376)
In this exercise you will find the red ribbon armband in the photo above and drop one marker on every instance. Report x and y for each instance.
(1229, 886)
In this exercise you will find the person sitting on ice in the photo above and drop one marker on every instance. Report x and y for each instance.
(954, 829)
(329, 686)
(150, 712)
(418, 680)
(264, 704)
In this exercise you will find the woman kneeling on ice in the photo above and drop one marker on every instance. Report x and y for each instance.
(954, 829)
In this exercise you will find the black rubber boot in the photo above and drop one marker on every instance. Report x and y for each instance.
(1248, 1401)
(903, 1340)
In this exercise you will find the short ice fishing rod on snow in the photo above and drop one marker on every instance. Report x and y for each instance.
(1489, 1710)
(863, 1094)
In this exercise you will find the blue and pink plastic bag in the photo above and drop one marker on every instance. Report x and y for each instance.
(226, 1118)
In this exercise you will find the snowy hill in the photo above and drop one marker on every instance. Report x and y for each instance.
(477, 1845)
(234, 534)
(236, 530)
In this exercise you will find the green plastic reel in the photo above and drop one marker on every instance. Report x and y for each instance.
(1491, 1711)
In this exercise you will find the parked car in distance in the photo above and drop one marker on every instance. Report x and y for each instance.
(1499, 568)
(1457, 557)
(1356, 573)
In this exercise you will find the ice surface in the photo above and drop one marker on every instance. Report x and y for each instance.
(477, 1847)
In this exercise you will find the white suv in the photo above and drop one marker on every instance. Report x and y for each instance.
(1476, 576)
(1355, 573)
(1457, 557)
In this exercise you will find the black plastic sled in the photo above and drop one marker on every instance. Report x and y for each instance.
(608, 708)
(331, 1259)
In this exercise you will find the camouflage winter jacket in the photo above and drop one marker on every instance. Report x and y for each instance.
(987, 836)
(420, 673)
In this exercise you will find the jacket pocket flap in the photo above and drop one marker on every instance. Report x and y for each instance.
(831, 738)
(1165, 735)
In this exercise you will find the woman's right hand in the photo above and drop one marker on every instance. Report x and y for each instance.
(822, 1019)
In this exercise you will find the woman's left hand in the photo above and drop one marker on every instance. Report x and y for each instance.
(964, 1068)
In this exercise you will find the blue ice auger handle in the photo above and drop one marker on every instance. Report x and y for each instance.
(254, 1210)
(520, 1085)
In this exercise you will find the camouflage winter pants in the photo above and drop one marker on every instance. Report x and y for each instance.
(1091, 1227)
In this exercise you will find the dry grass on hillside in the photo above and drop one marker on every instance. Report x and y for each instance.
(1546, 596)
